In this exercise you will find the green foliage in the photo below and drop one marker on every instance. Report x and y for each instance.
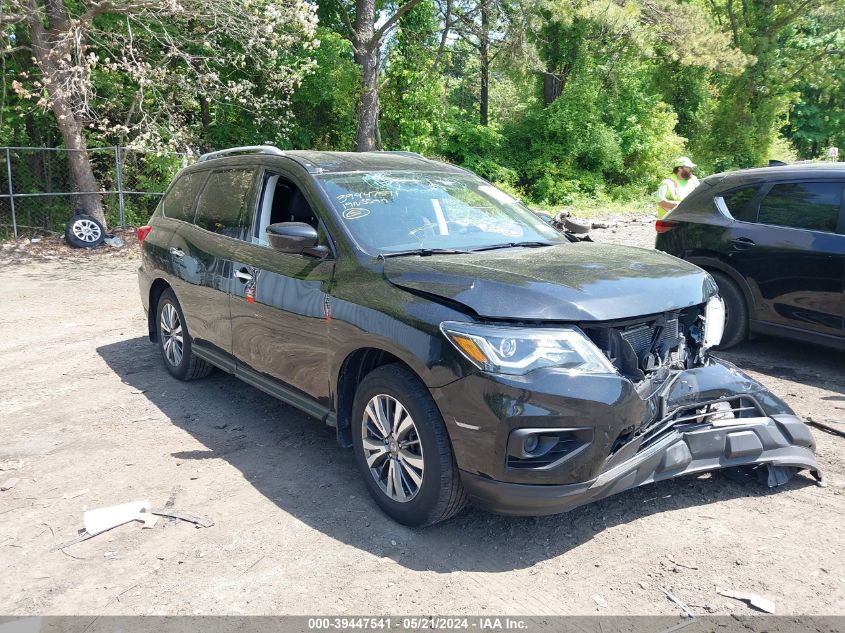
(410, 99)
(817, 116)
(589, 99)
(324, 104)
(785, 40)
(476, 147)
(592, 140)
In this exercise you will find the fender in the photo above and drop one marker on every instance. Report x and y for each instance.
(708, 262)
(433, 376)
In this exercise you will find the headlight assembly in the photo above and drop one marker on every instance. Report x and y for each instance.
(517, 350)
(714, 322)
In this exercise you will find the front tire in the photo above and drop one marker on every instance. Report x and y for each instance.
(736, 312)
(174, 341)
(403, 450)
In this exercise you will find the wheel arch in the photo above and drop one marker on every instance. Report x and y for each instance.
(713, 264)
(356, 364)
(156, 289)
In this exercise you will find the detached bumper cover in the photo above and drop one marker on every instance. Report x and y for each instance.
(779, 441)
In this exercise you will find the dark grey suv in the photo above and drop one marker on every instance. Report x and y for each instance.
(460, 346)
(774, 240)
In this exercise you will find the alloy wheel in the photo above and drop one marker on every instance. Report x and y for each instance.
(86, 230)
(171, 334)
(392, 448)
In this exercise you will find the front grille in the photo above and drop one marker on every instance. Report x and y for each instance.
(703, 413)
(637, 349)
(641, 337)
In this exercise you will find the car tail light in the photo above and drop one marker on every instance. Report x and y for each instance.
(143, 232)
(664, 226)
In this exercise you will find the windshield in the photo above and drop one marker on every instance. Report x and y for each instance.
(392, 211)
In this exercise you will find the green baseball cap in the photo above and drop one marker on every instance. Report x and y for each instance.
(683, 161)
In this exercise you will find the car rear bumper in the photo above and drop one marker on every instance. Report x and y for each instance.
(144, 283)
(781, 442)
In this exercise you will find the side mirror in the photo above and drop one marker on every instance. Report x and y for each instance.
(295, 237)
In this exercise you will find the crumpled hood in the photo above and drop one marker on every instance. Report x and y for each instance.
(571, 282)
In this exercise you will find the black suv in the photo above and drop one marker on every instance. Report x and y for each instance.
(774, 240)
(461, 346)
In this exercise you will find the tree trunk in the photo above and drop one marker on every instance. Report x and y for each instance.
(368, 104)
(484, 49)
(367, 49)
(552, 87)
(81, 173)
(205, 121)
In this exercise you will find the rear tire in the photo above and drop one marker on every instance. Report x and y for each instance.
(174, 341)
(416, 447)
(736, 312)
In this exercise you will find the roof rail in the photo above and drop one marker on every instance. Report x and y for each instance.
(400, 152)
(259, 149)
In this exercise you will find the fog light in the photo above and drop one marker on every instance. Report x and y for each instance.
(546, 447)
(529, 445)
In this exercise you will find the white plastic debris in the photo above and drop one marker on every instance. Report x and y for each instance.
(678, 602)
(599, 600)
(756, 601)
(102, 519)
(114, 242)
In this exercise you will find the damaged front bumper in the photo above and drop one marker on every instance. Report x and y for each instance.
(697, 420)
(782, 442)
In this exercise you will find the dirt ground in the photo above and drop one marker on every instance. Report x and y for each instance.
(90, 418)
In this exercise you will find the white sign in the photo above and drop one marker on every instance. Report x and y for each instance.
(833, 152)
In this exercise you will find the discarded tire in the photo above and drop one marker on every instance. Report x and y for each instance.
(83, 231)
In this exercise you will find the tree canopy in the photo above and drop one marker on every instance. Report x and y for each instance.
(559, 100)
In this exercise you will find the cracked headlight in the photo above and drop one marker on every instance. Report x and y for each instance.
(714, 322)
(517, 350)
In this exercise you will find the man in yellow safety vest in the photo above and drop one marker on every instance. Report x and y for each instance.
(677, 186)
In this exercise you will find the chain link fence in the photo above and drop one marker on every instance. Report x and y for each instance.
(37, 196)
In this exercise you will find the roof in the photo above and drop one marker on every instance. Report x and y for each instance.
(337, 162)
(797, 170)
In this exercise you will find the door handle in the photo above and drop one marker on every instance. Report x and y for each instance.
(243, 275)
(177, 252)
(742, 243)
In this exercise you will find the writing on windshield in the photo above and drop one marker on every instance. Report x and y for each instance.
(394, 211)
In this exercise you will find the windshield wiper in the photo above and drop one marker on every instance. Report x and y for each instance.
(535, 244)
(423, 252)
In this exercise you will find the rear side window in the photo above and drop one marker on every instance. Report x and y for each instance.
(179, 201)
(222, 206)
(803, 205)
(739, 204)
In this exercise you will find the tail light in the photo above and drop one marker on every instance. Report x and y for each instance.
(143, 232)
(664, 226)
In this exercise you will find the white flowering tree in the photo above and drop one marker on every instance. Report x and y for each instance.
(143, 70)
